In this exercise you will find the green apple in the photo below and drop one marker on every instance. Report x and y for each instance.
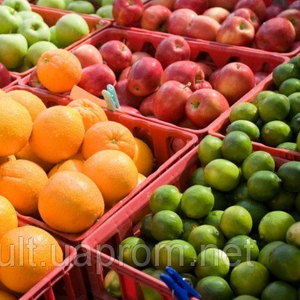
(36, 50)
(67, 2)
(107, 2)
(105, 11)
(53, 38)
(9, 20)
(70, 28)
(13, 48)
(18, 5)
(82, 7)
(30, 15)
(34, 31)
(25, 66)
(60, 4)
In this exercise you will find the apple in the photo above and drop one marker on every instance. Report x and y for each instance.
(247, 14)
(155, 18)
(198, 6)
(276, 35)
(206, 69)
(9, 20)
(186, 72)
(227, 4)
(127, 12)
(186, 123)
(218, 13)
(18, 5)
(257, 6)
(295, 46)
(60, 4)
(5, 78)
(146, 107)
(82, 7)
(88, 55)
(67, 2)
(138, 55)
(124, 73)
(178, 21)
(53, 38)
(204, 84)
(295, 5)
(167, 3)
(260, 76)
(234, 80)
(70, 28)
(268, 3)
(30, 15)
(34, 31)
(34, 80)
(96, 77)
(273, 10)
(204, 106)
(213, 76)
(236, 31)
(171, 49)
(106, 2)
(209, 28)
(105, 11)
(13, 48)
(144, 76)
(293, 15)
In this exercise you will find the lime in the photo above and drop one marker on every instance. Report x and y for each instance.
(263, 185)
(236, 146)
(294, 104)
(146, 227)
(293, 235)
(235, 220)
(260, 123)
(279, 290)
(239, 193)
(206, 236)
(296, 215)
(283, 200)
(298, 142)
(245, 126)
(288, 146)
(165, 197)
(221, 201)
(213, 218)
(276, 132)
(244, 111)
(249, 278)
(112, 284)
(290, 86)
(198, 177)
(190, 278)
(264, 254)
(149, 293)
(260, 96)
(284, 72)
(209, 149)
(166, 225)
(295, 124)
(197, 201)
(214, 288)
(212, 262)
(257, 161)
(294, 60)
(289, 173)
(188, 226)
(274, 225)
(297, 202)
(222, 175)
(245, 297)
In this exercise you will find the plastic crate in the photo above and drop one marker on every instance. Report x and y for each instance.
(15, 80)
(160, 139)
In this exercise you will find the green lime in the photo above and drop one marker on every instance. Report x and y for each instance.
(245, 126)
(283, 200)
(112, 284)
(294, 104)
(239, 193)
(165, 197)
(276, 132)
(235, 220)
(197, 201)
(295, 124)
(257, 161)
(279, 290)
(166, 225)
(263, 185)
(284, 263)
(149, 293)
(213, 218)
(214, 288)
(222, 175)
(198, 177)
(298, 141)
(260, 96)
(244, 111)
(190, 278)
(206, 236)
(296, 215)
(274, 225)
(188, 226)
(146, 227)
(209, 149)
(212, 262)
(293, 235)
(260, 123)
(245, 297)
(289, 173)
(236, 146)
(284, 72)
(274, 107)
(294, 60)
(297, 202)
(264, 254)
(288, 146)
(290, 86)
(249, 278)
(221, 201)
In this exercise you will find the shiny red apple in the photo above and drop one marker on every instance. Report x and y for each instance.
(227, 4)
(146, 107)
(5, 77)
(88, 55)
(198, 6)
(247, 14)
(257, 6)
(218, 13)
(293, 15)
(273, 10)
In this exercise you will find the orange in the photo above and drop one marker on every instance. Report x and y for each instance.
(8, 217)
(58, 70)
(15, 126)
(91, 112)
(141, 178)
(143, 157)
(114, 172)
(21, 182)
(28, 254)
(57, 133)
(68, 165)
(6, 296)
(4, 159)
(108, 135)
(70, 202)
(2, 93)
(30, 101)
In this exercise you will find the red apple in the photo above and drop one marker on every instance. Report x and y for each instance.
(186, 123)
(138, 55)
(258, 7)
(273, 10)
(127, 12)
(124, 73)
(167, 3)
(179, 20)
(276, 35)
(213, 76)
(34, 80)
(187, 72)
(170, 101)
(234, 80)
(209, 28)
(177, 144)
(293, 15)
(227, 4)
(268, 3)
(295, 46)
(88, 55)
(198, 6)
(116, 55)
(146, 107)
(95, 78)
(206, 69)
(144, 76)
(236, 31)
(5, 78)
(171, 49)
(204, 84)
(295, 5)
(247, 14)
(218, 13)
(260, 76)
(204, 106)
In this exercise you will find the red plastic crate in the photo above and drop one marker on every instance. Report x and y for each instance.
(15, 80)
(160, 139)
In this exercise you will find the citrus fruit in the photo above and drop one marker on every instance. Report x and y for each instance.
(188, 226)
(285, 71)
(260, 96)
(67, 165)
(293, 235)
(7, 296)
(149, 293)
(298, 142)
(221, 201)
(67, 195)
(245, 297)
(197, 177)
(146, 227)
(239, 193)
(112, 284)
(294, 104)
(264, 254)
(8, 216)
(288, 146)
(279, 290)
(289, 173)
(213, 218)
(295, 124)
(4, 159)
(297, 202)
(290, 86)
(209, 149)
(190, 278)
(244, 111)
(284, 200)
(245, 126)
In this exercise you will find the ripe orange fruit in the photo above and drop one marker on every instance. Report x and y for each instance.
(4, 159)
(30, 101)
(114, 172)
(58, 70)
(57, 133)
(108, 135)
(70, 202)
(36, 253)
(141, 178)
(2, 93)
(8, 217)
(15, 126)
(21, 182)
(68, 165)
(91, 112)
